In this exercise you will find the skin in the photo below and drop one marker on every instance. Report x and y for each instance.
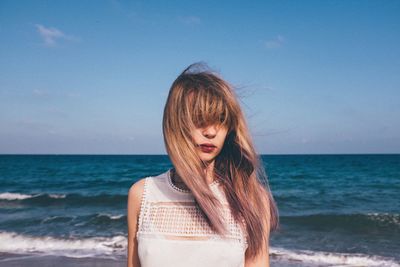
(215, 135)
(212, 134)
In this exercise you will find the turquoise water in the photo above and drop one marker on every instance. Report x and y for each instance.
(334, 209)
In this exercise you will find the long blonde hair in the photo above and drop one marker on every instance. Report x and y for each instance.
(197, 98)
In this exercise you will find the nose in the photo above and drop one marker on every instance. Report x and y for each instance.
(210, 131)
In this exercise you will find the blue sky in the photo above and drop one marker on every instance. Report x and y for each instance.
(92, 77)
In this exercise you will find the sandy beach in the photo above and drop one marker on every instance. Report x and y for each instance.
(11, 260)
(18, 260)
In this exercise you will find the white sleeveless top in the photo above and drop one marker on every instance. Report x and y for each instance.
(173, 232)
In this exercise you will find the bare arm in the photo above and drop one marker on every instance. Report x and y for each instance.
(133, 209)
(262, 260)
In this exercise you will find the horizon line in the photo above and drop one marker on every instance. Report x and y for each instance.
(108, 154)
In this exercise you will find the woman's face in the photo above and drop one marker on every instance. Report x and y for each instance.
(209, 141)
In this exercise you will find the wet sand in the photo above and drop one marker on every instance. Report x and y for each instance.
(15, 260)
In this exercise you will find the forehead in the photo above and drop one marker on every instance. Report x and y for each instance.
(205, 109)
(205, 96)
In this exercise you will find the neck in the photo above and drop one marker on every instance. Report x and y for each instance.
(209, 171)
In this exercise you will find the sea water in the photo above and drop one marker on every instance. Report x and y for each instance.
(335, 210)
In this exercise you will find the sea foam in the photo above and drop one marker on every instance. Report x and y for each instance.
(83, 247)
(332, 259)
(19, 196)
(14, 196)
(112, 247)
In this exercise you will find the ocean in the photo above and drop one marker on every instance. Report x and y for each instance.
(335, 210)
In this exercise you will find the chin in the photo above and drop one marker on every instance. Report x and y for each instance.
(206, 157)
(210, 158)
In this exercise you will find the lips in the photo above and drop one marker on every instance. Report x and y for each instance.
(207, 147)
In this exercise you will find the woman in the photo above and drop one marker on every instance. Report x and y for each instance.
(214, 208)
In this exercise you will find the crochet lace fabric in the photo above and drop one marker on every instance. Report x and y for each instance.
(177, 216)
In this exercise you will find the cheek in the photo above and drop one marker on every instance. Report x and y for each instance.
(195, 136)
(223, 139)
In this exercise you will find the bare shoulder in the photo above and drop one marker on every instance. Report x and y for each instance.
(137, 187)
(135, 193)
(135, 196)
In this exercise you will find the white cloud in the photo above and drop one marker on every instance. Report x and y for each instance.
(275, 42)
(304, 140)
(72, 94)
(32, 125)
(39, 92)
(190, 20)
(51, 35)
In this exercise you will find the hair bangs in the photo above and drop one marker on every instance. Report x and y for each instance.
(207, 107)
